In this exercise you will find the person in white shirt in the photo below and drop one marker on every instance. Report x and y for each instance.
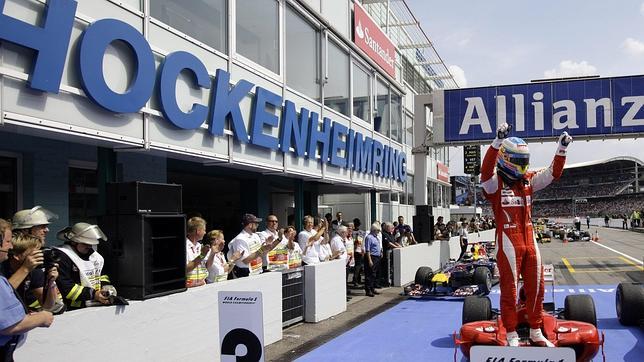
(248, 243)
(310, 239)
(219, 268)
(271, 230)
(196, 253)
(338, 249)
(294, 250)
(358, 251)
(462, 236)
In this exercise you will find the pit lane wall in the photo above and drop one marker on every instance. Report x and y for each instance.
(177, 327)
(407, 260)
(324, 290)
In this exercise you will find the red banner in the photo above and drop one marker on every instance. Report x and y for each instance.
(442, 172)
(368, 37)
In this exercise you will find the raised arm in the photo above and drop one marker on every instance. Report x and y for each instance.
(489, 179)
(544, 177)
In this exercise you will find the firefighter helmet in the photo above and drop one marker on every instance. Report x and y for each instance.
(26, 219)
(83, 233)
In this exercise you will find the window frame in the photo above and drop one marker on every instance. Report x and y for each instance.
(384, 80)
(328, 36)
(296, 8)
(225, 54)
(250, 64)
(355, 61)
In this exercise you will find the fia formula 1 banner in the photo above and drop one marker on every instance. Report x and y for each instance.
(241, 323)
(517, 354)
(594, 108)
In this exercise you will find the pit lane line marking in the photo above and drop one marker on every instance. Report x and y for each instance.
(567, 264)
(630, 262)
(618, 252)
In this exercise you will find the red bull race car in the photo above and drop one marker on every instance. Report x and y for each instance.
(573, 327)
(469, 276)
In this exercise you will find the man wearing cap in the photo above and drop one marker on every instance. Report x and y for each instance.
(80, 266)
(248, 243)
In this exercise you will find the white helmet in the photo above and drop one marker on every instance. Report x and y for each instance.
(26, 219)
(82, 233)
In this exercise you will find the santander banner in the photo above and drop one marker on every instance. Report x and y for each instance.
(443, 172)
(368, 37)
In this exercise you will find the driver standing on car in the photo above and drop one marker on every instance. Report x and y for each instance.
(509, 190)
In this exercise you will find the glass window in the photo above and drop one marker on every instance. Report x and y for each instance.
(409, 187)
(396, 117)
(381, 120)
(409, 130)
(394, 196)
(8, 186)
(384, 197)
(133, 3)
(361, 82)
(258, 32)
(204, 20)
(83, 195)
(302, 55)
(336, 89)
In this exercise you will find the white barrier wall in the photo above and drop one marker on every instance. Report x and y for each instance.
(407, 260)
(325, 290)
(177, 327)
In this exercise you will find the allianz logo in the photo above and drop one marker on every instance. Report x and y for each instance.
(570, 290)
(564, 112)
(363, 33)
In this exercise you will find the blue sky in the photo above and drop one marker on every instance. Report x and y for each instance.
(500, 42)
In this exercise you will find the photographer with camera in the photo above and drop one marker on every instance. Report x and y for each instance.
(38, 289)
(197, 253)
(80, 281)
(33, 222)
(14, 320)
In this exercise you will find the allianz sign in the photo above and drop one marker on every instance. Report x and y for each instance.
(337, 145)
(599, 107)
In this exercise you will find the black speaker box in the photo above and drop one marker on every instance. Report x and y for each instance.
(143, 197)
(424, 228)
(145, 255)
(423, 210)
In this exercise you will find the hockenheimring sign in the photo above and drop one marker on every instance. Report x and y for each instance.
(300, 132)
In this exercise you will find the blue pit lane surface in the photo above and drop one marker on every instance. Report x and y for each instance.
(421, 329)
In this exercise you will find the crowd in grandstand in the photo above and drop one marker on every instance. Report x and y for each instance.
(570, 191)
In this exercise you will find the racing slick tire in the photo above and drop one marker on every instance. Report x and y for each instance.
(581, 308)
(476, 309)
(424, 275)
(629, 302)
(483, 278)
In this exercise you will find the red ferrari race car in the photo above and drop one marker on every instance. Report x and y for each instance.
(574, 326)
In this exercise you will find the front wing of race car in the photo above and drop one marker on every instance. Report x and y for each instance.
(419, 291)
(582, 337)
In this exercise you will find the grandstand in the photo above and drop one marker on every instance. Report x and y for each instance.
(596, 188)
